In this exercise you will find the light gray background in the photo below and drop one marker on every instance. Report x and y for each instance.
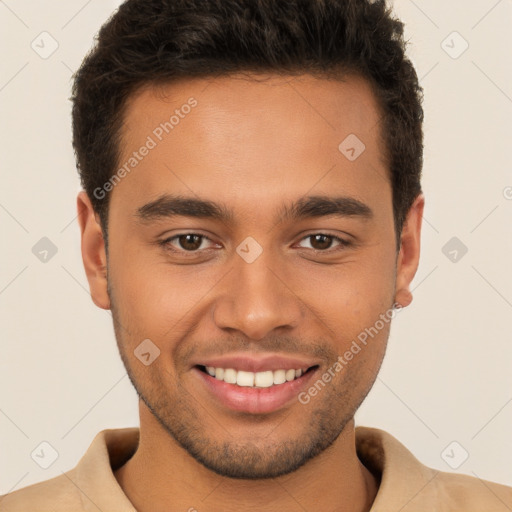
(447, 375)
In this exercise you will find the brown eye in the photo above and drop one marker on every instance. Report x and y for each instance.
(186, 242)
(323, 242)
(190, 242)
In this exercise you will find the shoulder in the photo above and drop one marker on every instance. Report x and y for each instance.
(469, 493)
(58, 494)
(91, 485)
(408, 485)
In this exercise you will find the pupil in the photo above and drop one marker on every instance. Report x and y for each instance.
(324, 244)
(185, 242)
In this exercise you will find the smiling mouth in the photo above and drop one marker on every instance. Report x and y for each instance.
(263, 379)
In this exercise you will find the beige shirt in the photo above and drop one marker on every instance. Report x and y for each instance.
(406, 484)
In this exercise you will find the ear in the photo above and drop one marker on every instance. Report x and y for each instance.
(409, 254)
(93, 251)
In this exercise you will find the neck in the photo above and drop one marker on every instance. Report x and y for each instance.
(161, 475)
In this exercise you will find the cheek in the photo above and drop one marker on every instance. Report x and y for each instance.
(356, 291)
(146, 298)
(156, 300)
(353, 301)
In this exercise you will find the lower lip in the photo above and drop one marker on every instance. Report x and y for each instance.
(255, 400)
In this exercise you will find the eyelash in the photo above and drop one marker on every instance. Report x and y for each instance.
(167, 243)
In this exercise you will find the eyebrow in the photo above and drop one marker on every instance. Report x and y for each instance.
(168, 206)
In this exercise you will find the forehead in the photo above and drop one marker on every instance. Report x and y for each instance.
(252, 139)
(338, 105)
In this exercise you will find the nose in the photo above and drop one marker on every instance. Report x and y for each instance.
(257, 298)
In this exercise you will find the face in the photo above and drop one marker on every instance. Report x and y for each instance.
(250, 250)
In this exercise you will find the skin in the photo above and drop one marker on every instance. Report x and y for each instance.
(251, 145)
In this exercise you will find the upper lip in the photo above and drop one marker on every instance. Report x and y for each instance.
(259, 363)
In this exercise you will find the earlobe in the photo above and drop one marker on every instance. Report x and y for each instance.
(409, 254)
(93, 251)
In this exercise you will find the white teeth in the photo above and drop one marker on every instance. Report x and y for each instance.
(245, 378)
(264, 379)
(230, 376)
(279, 376)
(250, 379)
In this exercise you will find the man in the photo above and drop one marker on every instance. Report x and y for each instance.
(251, 207)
